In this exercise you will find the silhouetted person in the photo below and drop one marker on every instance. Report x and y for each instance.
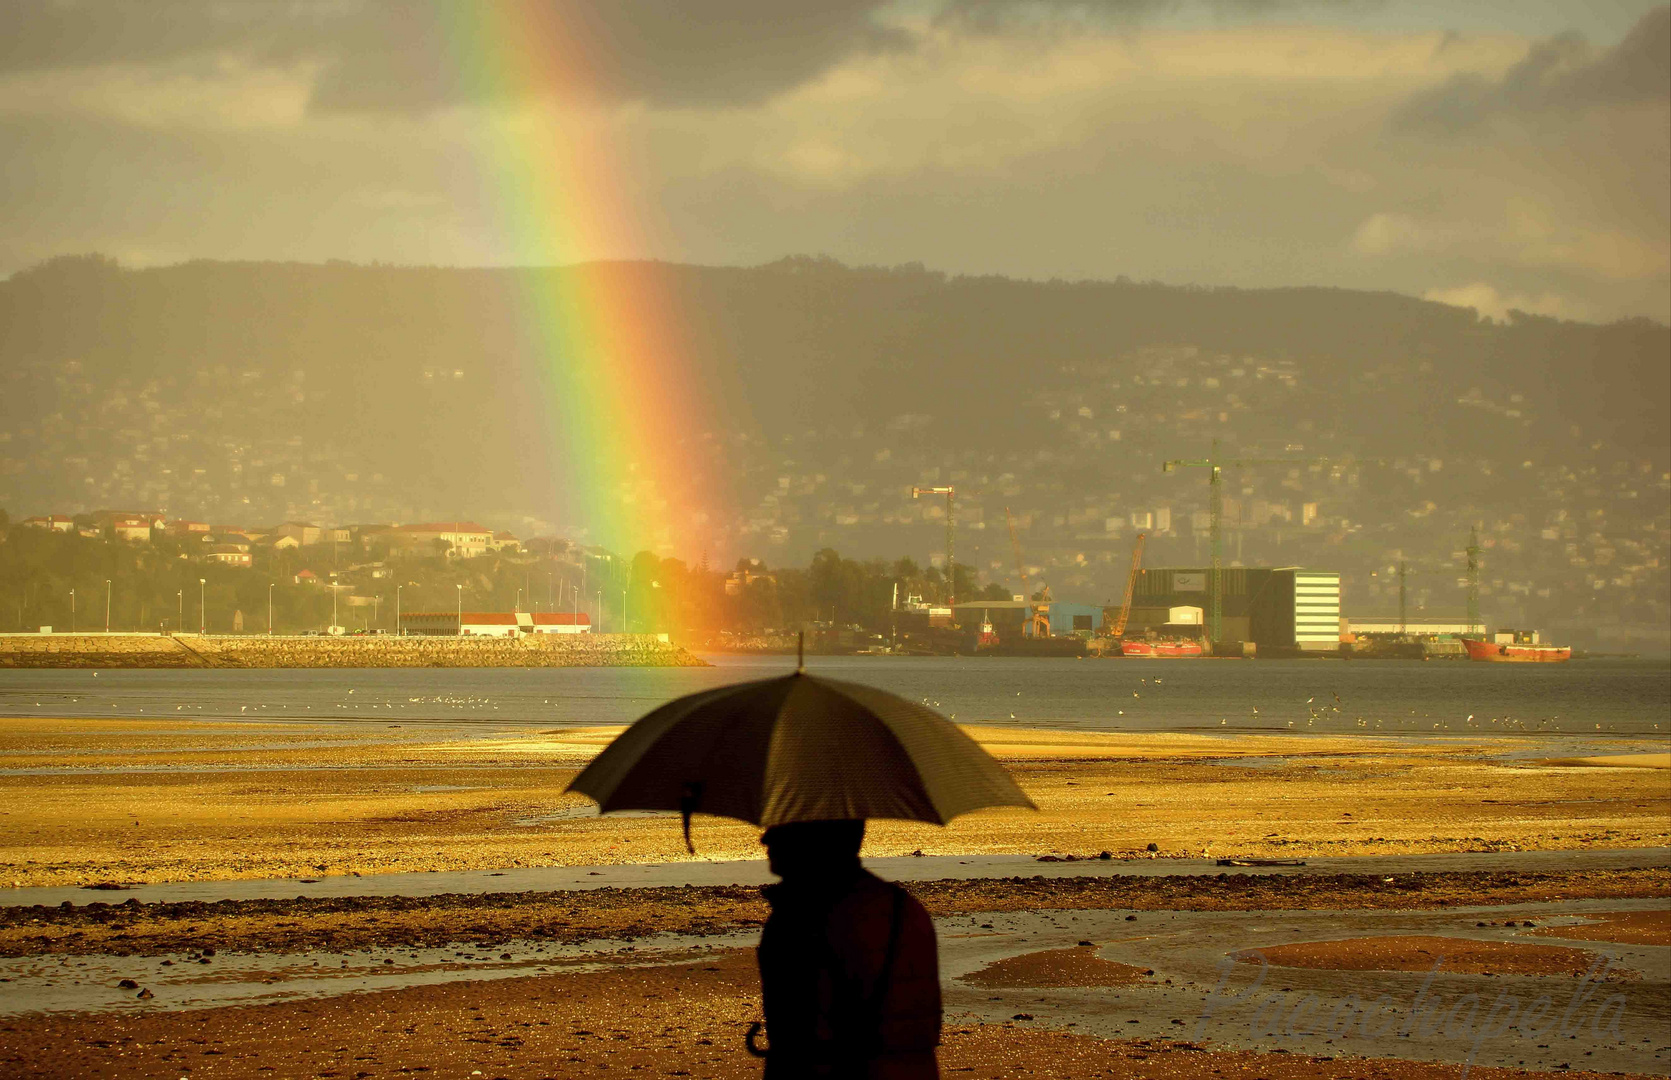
(849, 969)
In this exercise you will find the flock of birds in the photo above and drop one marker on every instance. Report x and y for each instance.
(1327, 713)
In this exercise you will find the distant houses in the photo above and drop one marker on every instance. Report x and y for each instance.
(236, 545)
(458, 539)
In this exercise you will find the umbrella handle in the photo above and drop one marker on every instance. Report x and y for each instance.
(687, 806)
(754, 1030)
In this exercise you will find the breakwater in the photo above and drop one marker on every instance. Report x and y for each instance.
(240, 651)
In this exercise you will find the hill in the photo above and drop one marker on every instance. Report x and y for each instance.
(256, 392)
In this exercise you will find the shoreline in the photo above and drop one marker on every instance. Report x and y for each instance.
(255, 651)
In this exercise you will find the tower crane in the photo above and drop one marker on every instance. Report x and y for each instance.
(1036, 623)
(951, 530)
(1131, 587)
(1473, 550)
(1215, 507)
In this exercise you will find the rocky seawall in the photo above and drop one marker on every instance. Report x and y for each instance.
(194, 651)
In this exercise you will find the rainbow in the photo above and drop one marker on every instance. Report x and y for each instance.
(627, 424)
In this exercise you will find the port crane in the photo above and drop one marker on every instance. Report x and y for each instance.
(1131, 587)
(951, 530)
(1036, 623)
(1214, 464)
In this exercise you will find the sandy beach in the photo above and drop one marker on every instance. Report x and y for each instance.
(1067, 974)
(151, 800)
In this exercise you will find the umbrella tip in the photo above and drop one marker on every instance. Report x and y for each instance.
(800, 653)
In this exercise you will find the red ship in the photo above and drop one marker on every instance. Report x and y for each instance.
(1141, 649)
(1515, 647)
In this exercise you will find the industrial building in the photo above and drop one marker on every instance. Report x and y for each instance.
(1276, 608)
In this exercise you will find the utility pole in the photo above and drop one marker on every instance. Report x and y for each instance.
(398, 628)
(951, 531)
(202, 606)
(1473, 550)
(460, 589)
(1403, 622)
(72, 611)
(107, 605)
(180, 616)
(269, 609)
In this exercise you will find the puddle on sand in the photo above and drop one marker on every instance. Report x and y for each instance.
(92, 983)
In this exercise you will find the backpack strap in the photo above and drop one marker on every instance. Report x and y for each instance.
(884, 978)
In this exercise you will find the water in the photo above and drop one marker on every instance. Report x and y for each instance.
(1611, 698)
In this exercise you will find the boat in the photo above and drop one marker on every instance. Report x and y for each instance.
(1514, 647)
(1143, 649)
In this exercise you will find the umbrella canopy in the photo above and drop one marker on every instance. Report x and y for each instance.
(797, 748)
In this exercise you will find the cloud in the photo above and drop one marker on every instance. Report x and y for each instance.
(1489, 303)
(392, 55)
(1559, 74)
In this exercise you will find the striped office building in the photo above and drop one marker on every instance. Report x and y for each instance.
(1316, 611)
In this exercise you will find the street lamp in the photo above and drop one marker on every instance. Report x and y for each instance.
(107, 605)
(269, 609)
(202, 606)
(72, 611)
(334, 623)
(460, 589)
(180, 620)
(398, 628)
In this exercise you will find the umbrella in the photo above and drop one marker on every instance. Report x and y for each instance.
(797, 748)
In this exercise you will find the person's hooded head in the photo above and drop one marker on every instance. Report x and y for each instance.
(814, 849)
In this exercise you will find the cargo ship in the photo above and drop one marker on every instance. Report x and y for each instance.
(1514, 647)
(1141, 649)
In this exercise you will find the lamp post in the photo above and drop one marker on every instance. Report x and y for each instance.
(72, 611)
(334, 623)
(180, 618)
(460, 589)
(107, 605)
(202, 606)
(269, 609)
(398, 628)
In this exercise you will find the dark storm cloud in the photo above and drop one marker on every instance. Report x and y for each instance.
(1560, 73)
(390, 55)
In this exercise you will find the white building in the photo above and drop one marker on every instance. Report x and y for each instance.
(561, 622)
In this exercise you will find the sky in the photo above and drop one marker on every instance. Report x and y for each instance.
(1498, 156)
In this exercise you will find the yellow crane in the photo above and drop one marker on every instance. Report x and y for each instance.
(1131, 586)
(1036, 623)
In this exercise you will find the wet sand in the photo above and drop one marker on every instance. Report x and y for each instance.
(1418, 953)
(1076, 966)
(130, 927)
(1622, 927)
(685, 1020)
(152, 800)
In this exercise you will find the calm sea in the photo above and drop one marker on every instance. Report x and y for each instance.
(1581, 698)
